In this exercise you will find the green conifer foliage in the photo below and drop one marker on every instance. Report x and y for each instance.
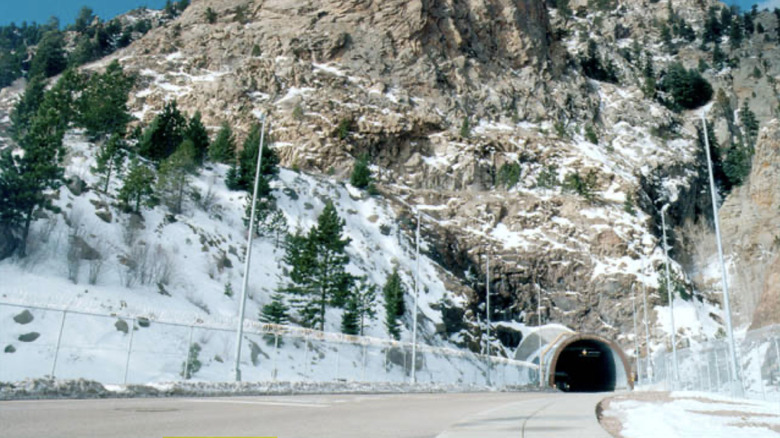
(138, 186)
(197, 133)
(164, 135)
(110, 160)
(318, 260)
(686, 88)
(361, 174)
(25, 109)
(174, 176)
(244, 177)
(25, 178)
(275, 312)
(103, 105)
(223, 149)
(50, 58)
(393, 293)
(359, 308)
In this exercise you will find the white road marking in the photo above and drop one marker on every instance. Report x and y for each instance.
(262, 403)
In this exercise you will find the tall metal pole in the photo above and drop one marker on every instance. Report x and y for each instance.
(670, 296)
(732, 347)
(539, 334)
(636, 334)
(487, 295)
(416, 297)
(648, 361)
(248, 257)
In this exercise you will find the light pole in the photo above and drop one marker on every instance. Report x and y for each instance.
(648, 361)
(487, 298)
(670, 297)
(736, 387)
(539, 331)
(636, 335)
(248, 257)
(416, 297)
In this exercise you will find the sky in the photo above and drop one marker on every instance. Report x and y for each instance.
(66, 10)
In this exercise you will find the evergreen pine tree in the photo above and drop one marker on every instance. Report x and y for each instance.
(736, 33)
(393, 293)
(749, 125)
(712, 26)
(361, 174)
(164, 135)
(748, 23)
(737, 164)
(244, 179)
(364, 299)
(318, 261)
(103, 104)
(49, 59)
(174, 176)
(223, 149)
(717, 160)
(137, 187)
(24, 110)
(275, 312)
(197, 133)
(25, 178)
(264, 207)
(350, 319)
(109, 160)
(718, 57)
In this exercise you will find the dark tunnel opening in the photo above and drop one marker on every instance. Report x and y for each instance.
(585, 366)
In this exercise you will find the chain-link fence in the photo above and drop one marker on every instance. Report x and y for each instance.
(708, 367)
(124, 349)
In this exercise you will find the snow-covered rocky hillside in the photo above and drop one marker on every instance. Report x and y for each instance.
(482, 116)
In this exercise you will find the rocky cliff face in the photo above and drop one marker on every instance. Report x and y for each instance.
(750, 229)
(398, 80)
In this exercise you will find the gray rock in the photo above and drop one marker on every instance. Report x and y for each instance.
(29, 337)
(122, 326)
(24, 318)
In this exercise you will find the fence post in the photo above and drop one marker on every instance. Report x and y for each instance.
(306, 365)
(129, 350)
(59, 341)
(364, 361)
(760, 377)
(186, 373)
(709, 374)
(717, 369)
(276, 351)
(338, 360)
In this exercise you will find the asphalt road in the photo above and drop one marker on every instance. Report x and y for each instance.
(482, 415)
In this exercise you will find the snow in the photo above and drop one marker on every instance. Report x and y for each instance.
(196, 309)
(692, 414)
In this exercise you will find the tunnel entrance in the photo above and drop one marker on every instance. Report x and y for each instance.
(585, 366)
(588, 363)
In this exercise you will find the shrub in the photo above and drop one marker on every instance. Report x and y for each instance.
(211, 16)
(548, 177)
(192, 364)
(590, 134)
(686, 88)
(574, 182)
(509, 175)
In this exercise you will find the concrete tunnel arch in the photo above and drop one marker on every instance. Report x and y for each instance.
(588, 363)
(577, 362)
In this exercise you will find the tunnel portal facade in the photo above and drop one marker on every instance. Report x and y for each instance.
(587, 363)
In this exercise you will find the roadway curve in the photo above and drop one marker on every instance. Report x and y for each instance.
(479, 415)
